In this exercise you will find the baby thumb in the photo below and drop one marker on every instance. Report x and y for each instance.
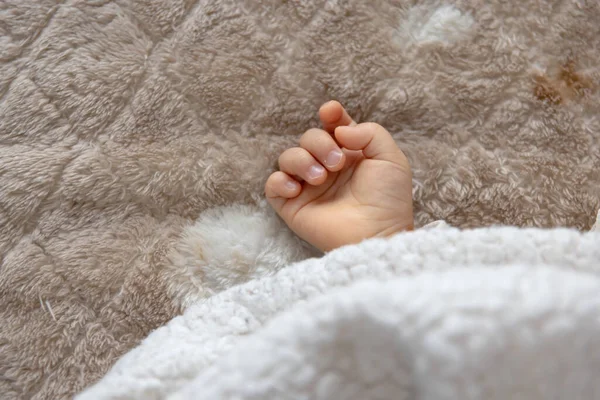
(373, 139)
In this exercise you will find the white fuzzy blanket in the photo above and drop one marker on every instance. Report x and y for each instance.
(498, 313)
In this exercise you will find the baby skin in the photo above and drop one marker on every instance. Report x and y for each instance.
(344, 183)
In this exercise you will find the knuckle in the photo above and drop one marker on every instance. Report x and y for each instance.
(273, 178)
(304, 159)
(309, 135)
(270, 183)
(288, 154)
(298, 153)
(281, 158)
(294, 156)
(315, 139)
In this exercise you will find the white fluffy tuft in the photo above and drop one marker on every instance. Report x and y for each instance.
(446, 25)
(227, 246)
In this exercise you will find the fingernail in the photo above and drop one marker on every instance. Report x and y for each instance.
(316, 171)
(333, 158)
(290, 185)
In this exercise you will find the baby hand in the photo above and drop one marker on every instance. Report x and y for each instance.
(343, 184)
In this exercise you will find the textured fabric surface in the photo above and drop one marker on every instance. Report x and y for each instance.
(121, 121)
(437, 314)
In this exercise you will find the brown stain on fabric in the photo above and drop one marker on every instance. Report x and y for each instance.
(564, 86)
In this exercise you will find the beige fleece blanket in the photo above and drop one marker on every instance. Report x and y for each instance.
(121, 121)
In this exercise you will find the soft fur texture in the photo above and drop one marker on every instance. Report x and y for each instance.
(498, 313)
(228, 246)
(121, 121)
